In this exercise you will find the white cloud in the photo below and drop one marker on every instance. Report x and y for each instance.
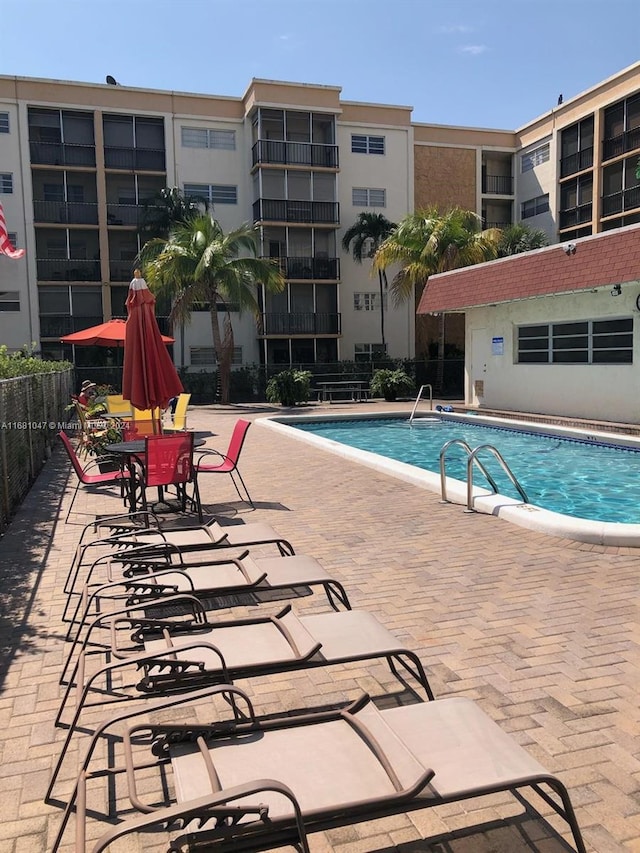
(474, 49)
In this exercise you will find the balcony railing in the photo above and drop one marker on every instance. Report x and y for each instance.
(304, 323)
(295, 153)
(134, 159)
(278, 210)
(62, 154)
(124, 214)
(57, 325)
(501, 225)
(309, 268)
(617, 145)
(163, 323)
(121, 270)
(622, 201)
(68, 270)
(576, 215)
(576, 162)
(497, 185)
(65, 213)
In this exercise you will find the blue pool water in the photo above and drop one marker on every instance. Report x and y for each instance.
(575, 477)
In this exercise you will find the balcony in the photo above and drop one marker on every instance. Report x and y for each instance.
(163, 323)
(68, 270)
(65, 213)
(57, 325)
(296, 323)
(295, 153)
(576, 162)
(501, 225)
(124, 214)
(61, 154)
(134, 159)
(497, 185)
(622, 201)
(278, 210)
(121, 270)
(320, 269)
(576, 215)
(617, 145)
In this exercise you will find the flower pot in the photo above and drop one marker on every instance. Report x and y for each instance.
(108, 466)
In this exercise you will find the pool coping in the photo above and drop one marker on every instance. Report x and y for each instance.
(509, 509)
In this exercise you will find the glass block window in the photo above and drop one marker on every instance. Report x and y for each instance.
(213, 193)
(534, 206)
(9, 300)
(368, 197)
(582, 342)
(202, 137)
(368, 301)
(206, 356)
(534, 158)
(361, 144)
(367, 352)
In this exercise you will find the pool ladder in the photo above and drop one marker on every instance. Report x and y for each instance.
(415, 405)
(472, 459)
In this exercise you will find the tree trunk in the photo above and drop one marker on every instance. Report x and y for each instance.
(217, 337)
(224, 363)
(382, 341)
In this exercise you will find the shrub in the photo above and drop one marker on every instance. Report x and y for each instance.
(390, 384)
(25, 363)
(289, 387)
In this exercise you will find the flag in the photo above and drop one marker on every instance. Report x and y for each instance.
(5, 244)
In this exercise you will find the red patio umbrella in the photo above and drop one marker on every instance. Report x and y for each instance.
(109, 334)
(149, 378)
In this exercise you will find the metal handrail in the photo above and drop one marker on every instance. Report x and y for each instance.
(443, 475)
(415, 405)
(473, 458)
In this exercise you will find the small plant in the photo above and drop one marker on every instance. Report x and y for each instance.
(289, 387)
(390, 384)
(95, 442)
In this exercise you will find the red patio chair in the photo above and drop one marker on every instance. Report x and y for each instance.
(168, 461)
(228, 462)
(109, 478)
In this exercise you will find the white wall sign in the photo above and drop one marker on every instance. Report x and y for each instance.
(497, 346)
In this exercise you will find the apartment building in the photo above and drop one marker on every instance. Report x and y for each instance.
(78, 162)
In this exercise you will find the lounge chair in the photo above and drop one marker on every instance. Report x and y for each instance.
(140, 579)
(257, 784)
(180, 540)
(145, 655)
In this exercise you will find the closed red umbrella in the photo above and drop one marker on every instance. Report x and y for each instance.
(149, 377)
(109, 334)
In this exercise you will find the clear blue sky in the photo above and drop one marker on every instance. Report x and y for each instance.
(481, 63)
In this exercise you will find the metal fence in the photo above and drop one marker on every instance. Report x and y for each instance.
(32, 411)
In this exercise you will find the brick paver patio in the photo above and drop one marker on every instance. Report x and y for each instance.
(543, 633)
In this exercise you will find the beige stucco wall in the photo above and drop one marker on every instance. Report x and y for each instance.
(603, 392)
(445, 177)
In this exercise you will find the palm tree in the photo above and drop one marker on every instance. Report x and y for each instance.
(365, 237)
(198, 262)
(520, 238)
(428, 242)
(166, 208)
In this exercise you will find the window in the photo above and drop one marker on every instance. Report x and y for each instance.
(13, 238)
(368, 352)
(201, 137)
(6, 182)
(534, 206)
(368, 301)
(201, 356)
(583, 342)
(534, 158)
(4, 122)
(364, 197)
(367, 144)
(9, 300)
(213, 193)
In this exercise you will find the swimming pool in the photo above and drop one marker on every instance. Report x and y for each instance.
(582, 485)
